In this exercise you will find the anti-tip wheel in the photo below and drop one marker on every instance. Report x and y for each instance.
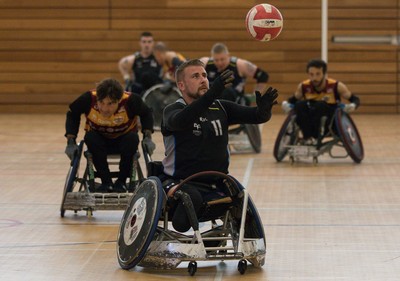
(192, 268)
(242, 266)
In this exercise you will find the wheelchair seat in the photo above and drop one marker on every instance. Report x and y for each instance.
(234, 232)
(340, 132)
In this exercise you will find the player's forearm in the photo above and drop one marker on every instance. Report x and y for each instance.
(124, 69)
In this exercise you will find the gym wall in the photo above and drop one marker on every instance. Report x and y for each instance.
(51, 51)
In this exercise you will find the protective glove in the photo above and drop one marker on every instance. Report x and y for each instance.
(287, 107)
(149, 144)
(223, 81)
(71, 149)
(350, 107)
(355, 100)
(268, 99)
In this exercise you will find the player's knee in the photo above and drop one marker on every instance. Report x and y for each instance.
(93, 139)
(180, 218)
(300, 106)
(129, 143)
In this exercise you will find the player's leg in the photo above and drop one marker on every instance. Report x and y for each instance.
(97, 145)
(128, 145)
(180, 217)
(304, 118)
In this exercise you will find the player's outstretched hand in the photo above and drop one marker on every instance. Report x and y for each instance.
(223, 81)
(268, 99)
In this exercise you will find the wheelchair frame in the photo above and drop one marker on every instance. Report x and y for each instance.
(242, 134)
(342, 133)
(155, 245)
(80, 192)
(166, 98)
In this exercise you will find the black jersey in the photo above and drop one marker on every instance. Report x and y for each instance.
(143, 65)
(200, 147)
(212, 73)
(196, 135)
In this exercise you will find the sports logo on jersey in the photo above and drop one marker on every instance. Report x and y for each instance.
(197, 129)
(118, 120)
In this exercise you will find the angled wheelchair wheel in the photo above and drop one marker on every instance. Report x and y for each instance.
(349, 135)
(254, 227)
(158, 97)
(254, 134)
(139, 222)
(72, 176)
(287, 136)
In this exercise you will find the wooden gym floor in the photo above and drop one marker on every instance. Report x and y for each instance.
(334, 221)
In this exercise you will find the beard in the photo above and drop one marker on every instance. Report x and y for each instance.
(317, 84)
(200, 91)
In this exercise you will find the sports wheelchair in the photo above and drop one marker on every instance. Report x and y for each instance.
(229, 228)
(80, 191)
(245, 136)
(158, 97)
(341, 132)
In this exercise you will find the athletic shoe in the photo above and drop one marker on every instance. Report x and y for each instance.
(119, 187)
(104, 188)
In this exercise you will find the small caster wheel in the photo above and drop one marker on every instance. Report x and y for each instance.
(192, 268)
(75, 211)
(242, 266)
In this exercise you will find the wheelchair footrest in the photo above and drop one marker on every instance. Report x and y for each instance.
(96, 201)
(220, 255)
(303, 151)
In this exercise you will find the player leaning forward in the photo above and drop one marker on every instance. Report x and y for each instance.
(195, 130)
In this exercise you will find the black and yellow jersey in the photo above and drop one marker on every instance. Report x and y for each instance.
(143, 65)
(238, 82)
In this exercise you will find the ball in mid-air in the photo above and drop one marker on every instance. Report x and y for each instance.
(264, 22)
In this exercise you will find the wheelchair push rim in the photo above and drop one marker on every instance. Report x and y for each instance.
(349, 135)
(139, 223)
(72, 176)
(157, 100)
